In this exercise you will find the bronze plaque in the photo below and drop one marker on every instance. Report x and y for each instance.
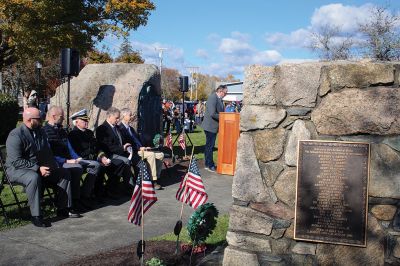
(332, 192)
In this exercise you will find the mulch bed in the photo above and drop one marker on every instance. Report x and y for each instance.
(164, 250)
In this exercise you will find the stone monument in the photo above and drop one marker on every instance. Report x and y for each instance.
(331, 101)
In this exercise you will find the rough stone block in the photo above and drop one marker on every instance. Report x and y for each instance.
(304, 248)
(384, 212)
(384, 172)
(285, 187)
(293, 89)
(269, 144)
(258, 87)
(277, 210)
(236, 257)
(299, 132)
(100, 86)
(355, 111)
(246, 219)
(357, 75)
(260, 117)
(248, 242)
(270, 171)
(247, 181)
(396, 250)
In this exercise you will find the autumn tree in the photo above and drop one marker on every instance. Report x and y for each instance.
(128, 55)
(98, 57)
(40, 28)
(170, 84)
(382, 41)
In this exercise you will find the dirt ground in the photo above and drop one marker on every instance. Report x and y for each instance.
(164, 250)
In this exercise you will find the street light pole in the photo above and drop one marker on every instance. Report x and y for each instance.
(38, 67)
(160, 56)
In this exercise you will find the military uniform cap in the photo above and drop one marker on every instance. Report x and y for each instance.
(82, 114)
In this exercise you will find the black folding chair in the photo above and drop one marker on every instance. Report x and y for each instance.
(6, 181)
(3, 210)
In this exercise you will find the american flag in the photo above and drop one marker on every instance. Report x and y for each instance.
(168, 140)
(148, 194)
(192, 191)
(182, 141)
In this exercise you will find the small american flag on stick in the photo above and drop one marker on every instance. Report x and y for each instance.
(146, 192)
(182, 141)
(191, 190)
(168, 140)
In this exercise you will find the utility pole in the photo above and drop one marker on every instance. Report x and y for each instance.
(193, 70)
(160, 56)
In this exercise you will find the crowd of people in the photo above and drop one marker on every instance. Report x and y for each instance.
(74, 163)
(48, 155)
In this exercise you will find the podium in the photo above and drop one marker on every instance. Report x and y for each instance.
(228, 136)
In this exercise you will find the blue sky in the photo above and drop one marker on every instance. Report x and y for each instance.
(223, 36)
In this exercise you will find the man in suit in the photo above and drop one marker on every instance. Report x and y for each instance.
(30, 163)
(210, 124)
(111, 143)
(129, 135)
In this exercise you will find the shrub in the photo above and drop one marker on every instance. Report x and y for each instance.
(9, 115)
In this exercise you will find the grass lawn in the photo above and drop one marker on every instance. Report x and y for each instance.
(199, 140)
(216, 238)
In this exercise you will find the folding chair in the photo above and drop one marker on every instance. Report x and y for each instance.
(6, 180)
(1, 203)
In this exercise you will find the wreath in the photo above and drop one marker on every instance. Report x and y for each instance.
(156, 140)
(202, 223)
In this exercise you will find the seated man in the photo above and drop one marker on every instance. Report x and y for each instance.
(129, 135)
(30, 162)
(66, 156)
(85, 146)
(110, 141)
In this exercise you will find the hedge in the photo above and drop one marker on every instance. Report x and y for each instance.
(9, 115)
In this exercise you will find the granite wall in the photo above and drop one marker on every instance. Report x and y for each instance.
(341, 101)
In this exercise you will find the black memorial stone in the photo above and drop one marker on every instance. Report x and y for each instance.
(332, 192)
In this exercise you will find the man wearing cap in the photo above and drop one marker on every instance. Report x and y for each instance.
(65, 156)
(85, 145)
(30, 162)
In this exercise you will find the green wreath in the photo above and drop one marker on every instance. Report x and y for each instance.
(156, 140)
(202, 223)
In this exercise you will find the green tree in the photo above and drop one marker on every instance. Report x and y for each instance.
(128, 55)
(40, 28)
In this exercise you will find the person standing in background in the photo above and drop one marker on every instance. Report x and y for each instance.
(211, 122)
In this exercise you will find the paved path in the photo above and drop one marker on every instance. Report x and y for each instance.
(105, 228)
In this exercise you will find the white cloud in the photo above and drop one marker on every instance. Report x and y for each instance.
(345, 17)
(202, 53)
(236, 53)
(295, 39)
(234, 46)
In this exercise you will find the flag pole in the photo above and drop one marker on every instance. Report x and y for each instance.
(178, 226)
(142, 222)
(191, 157)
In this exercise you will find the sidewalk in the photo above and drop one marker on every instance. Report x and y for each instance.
(106, 228)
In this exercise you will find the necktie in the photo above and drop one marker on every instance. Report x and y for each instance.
(117, 134)
(137, 142)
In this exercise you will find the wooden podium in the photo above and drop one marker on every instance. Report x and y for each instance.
(227, 142)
